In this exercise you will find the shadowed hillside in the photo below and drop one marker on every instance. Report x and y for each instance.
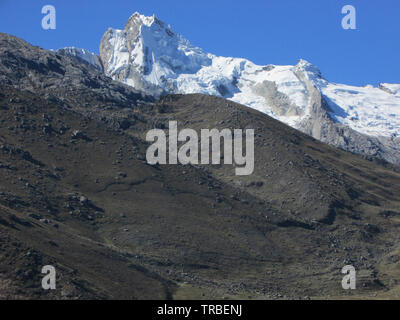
(76, 192)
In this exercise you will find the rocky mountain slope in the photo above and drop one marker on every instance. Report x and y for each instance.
(148, 55)
(77, 193)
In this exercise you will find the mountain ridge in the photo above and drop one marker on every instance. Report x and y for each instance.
(148, 55)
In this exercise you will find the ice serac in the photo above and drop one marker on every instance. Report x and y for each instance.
(85, 55)
(148, 55)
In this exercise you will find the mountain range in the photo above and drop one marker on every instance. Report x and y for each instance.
(77, 193)
(150, 56)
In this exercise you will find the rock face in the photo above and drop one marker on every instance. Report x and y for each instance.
(147, 53)
(150, 56)
(321, 125)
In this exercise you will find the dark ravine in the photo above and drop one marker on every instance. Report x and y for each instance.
(72, 154)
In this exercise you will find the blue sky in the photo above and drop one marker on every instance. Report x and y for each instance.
(268, 31)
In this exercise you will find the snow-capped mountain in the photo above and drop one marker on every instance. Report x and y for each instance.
(83, 54)
(150, 56)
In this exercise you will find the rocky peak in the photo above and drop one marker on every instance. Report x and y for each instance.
(309, 69)
(148, 55)
(139, 19)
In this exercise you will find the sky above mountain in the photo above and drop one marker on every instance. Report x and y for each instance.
(265, 32)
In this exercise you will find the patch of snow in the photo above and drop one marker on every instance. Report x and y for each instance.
(85, 55)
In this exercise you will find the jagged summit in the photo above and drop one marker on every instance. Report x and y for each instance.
(147, 53)
(312, 71)
(138, 18)
(150, 56)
